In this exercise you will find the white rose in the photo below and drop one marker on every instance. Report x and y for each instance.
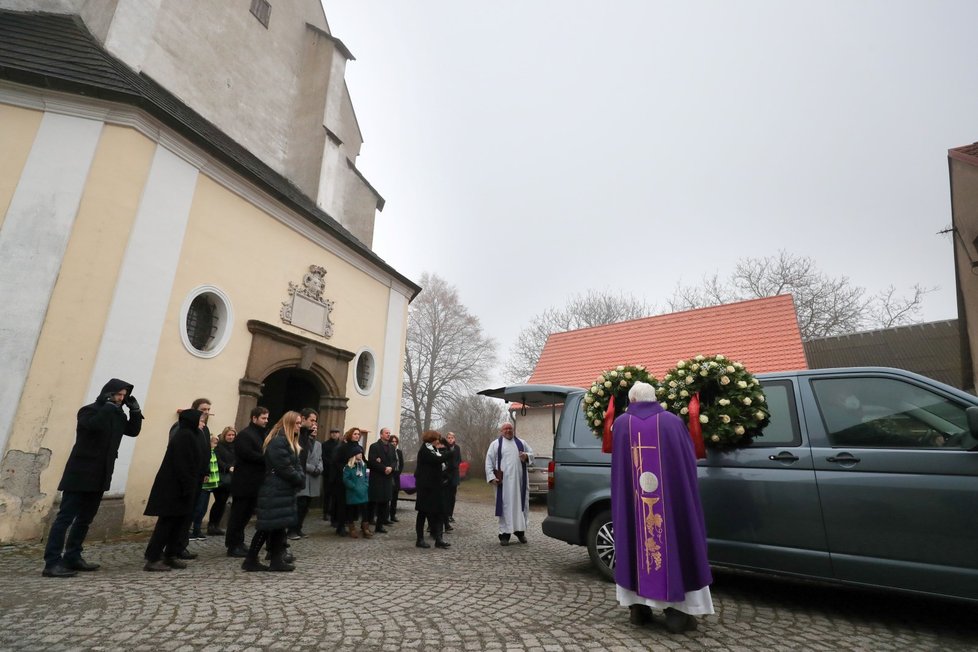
(704, 373)
(724, 401)
(730, 369)
(742, 384)
(597, 422)
(600, 392)
(623, 383)
(681, 364)
(694, 367)
(724, 380)
(620, 367)
(739, 430)
(672, 383)
(718, 357)
(613, 374)
(628, 374)
(760, 399)
(589, 399)
(715, 437)
(684, 393)
(684, 411)
(704, 418)
(599, 380)
(665, 406)
(754, 382)
(724, 418)
(660, 391)
(760, 415)
(699, 358)
(689, 378)
(746, 400)
(672, 397)
(607, 383)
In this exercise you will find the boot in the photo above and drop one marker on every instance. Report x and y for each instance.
(352, 531)
(156, 566)
(441, 543)
(678, 622)
(279, 564)
(253, 565)
(365, 528)
(639, 614)
(421, 543)
(173, 562)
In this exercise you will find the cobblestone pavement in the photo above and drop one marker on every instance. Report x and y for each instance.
(385, 594)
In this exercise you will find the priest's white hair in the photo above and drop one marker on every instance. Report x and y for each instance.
(641, 393)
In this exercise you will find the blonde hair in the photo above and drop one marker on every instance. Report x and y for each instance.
(224, 433)
(285, 425)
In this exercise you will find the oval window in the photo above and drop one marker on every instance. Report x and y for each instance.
(365, 371)
(205, 321)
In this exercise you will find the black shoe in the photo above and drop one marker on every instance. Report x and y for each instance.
(281, 564)
(449, 528)
(80, 565)
(294, 536)
(186, 554)
(173, 562)
(639, 614)
(380, 530)
(238, 551)
(253, 565)
(520, 536)
(678, 622)
(394, 519)
(58, 570)
(421, 543)
(504, 539)
(442, 544)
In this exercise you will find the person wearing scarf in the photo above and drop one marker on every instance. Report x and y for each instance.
(506, 469)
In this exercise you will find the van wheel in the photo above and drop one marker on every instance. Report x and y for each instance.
(601, 544)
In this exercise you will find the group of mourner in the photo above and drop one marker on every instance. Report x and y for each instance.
(273, 473)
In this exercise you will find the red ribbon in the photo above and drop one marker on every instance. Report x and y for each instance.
(695, 429)
(609, 419)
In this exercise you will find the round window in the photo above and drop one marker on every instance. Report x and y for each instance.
(205, 321)
(365, 371)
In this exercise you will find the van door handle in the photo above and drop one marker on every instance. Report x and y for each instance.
(843, 458)
(783, 456)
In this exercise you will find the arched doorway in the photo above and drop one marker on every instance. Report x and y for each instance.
(289, 389)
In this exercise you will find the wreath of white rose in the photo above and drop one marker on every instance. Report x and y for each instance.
(733, 408)
(615, 382)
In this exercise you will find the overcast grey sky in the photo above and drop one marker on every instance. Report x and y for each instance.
(530, 150)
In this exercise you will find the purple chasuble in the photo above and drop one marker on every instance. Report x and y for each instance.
(660, 536)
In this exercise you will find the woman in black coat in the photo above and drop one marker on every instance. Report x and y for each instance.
(430, 501)
(174, 492)
(277, 509)
(225, 467)
(396, 473)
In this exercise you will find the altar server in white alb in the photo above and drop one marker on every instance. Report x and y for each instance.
(506, 468)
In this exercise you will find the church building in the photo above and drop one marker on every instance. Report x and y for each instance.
(181, 208)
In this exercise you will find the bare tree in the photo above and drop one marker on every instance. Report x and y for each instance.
(592, 308)
(447, 357)
(475, 421)
(824, 305)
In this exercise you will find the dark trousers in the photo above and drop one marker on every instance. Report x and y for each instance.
(397, 490)
(202, 500)
(221, 495)
(167, 538)
(379, 512)
(70, 526)
(356, 512)
(274, 538)
(329, 504)
(451, 492)
(242, 509)
(302, 508)
(435, 524)
(339, 506)
(186, 535)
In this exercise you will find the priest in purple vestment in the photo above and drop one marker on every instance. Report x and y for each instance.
(660, 535)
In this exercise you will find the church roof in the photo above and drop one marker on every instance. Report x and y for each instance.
(763, 334)
(56, 51)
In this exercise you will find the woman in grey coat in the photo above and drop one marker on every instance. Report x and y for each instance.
(311, 459)
(276, 498)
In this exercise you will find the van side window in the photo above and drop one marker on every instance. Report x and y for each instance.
(783, 429)
(583, 435)
(887, 413)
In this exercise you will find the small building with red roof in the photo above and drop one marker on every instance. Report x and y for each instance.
(762, 334)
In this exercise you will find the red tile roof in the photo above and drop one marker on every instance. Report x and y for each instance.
(761, 333)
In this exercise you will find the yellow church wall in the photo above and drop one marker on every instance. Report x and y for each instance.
(69, 340)
(250, 256)
(18, 127)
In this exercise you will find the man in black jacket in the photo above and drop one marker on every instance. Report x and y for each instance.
(380, 461)
(249, 473)
(453, 461)
(203, 441)
(88, 475)
(329, 479)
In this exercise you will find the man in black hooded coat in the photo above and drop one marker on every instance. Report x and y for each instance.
(88, 475)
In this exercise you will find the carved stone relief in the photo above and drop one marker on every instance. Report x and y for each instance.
(306, 308)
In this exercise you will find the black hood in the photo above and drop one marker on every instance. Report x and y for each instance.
(190, 420)
(114, 386)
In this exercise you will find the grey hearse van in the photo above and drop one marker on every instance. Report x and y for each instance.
(865, 476)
